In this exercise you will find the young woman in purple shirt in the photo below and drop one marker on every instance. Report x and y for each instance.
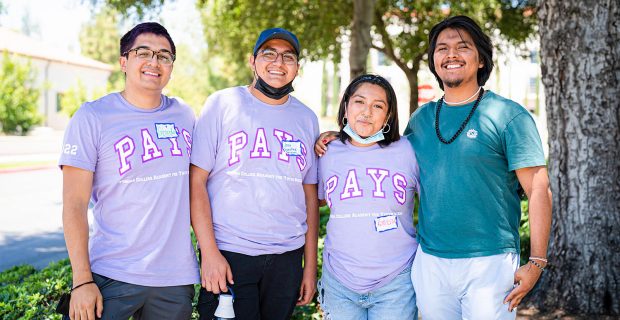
(368, 179)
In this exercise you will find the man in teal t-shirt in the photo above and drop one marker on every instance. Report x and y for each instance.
(474, 148)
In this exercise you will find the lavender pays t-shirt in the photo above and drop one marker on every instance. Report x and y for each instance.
(258, 157)
(140, 159)
(370, 233)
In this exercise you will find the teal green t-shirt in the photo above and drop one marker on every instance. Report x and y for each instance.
(469, 206)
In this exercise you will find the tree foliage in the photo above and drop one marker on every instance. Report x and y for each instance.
(196, 76)
(400, 27)
(18, 96)
(99, 40)
(73, 98)
(128, 7)
(231, 27)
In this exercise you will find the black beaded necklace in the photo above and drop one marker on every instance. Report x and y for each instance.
(471, 113)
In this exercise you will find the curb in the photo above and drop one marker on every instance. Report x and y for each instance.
(27, 168)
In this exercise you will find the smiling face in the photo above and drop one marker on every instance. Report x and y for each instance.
(456, 58)
(277, 74)
(367, 110)
(146, 74)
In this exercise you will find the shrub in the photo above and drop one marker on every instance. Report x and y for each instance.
(28, 294)
(18, 97)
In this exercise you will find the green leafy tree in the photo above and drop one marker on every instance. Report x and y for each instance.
(196, 76)
(99, 40)
(18, 97)
(139, 8)
(73, 98)
(399, 28)
(410, 22)
(231, 28)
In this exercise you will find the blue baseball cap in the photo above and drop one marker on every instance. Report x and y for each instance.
(276, 33)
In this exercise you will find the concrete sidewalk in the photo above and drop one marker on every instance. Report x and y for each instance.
(40, 149)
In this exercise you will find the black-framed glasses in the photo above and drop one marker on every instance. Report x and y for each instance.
(271, 55)
(142, 53)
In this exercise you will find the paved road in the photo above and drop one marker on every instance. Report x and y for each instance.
(30, 218)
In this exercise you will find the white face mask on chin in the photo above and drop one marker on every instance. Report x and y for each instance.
(368, 140)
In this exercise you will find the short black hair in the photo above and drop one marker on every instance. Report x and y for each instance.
(127, 41)
(392, 112)
(481, 41)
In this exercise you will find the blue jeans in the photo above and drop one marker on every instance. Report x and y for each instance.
(394, 300)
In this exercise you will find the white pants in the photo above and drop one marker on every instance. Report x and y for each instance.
(467, 288)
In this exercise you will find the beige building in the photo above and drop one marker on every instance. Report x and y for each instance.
(56, 70)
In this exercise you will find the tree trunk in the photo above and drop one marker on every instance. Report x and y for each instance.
(324, 91)
(363, 12)
(580, 50)
(412, 77)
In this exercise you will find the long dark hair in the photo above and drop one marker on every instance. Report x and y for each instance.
(481, 41)
(392, 112)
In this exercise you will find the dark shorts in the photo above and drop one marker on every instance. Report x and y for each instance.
(123, 300)
(266, 286)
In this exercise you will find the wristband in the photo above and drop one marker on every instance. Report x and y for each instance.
(79, 285)
(539, 259)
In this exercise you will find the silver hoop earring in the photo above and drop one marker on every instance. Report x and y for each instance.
(389, 128)
(344, 121)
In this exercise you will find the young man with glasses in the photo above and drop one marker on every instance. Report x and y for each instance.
(253, 182)
(129, 153)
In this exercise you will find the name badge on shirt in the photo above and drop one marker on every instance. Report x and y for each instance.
(166, 130)
(386, 223)
(291, 148)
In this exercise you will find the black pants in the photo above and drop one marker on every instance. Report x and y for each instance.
(266, 286)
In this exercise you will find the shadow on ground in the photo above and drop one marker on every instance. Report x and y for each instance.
(36, 250)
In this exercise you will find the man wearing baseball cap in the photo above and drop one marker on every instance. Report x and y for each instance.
(254, 204)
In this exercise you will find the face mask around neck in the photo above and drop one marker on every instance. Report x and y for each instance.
(271, 92)
(368, 140)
